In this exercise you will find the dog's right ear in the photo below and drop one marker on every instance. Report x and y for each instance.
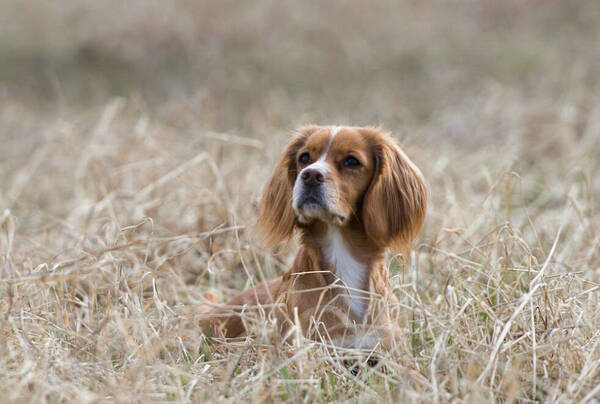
(276, 219)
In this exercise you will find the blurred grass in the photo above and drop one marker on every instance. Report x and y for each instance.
(135, 140)
(368, 62)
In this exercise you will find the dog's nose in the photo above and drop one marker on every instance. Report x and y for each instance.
(311, 176)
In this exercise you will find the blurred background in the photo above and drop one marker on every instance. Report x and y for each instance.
(239, 66)
(136, 136)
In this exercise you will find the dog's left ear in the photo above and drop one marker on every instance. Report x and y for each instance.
(394, 206)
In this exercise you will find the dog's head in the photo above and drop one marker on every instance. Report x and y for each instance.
(339, 174)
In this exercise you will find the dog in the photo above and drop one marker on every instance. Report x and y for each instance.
(350, 193)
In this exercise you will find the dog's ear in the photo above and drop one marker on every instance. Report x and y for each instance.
(276, 219)
(394, 206)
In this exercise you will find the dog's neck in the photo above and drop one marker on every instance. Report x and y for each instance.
(349, 255)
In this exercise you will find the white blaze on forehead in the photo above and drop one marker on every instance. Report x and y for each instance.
(334, 131)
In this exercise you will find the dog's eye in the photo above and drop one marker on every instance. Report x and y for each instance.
(304, 158)
(351, 162)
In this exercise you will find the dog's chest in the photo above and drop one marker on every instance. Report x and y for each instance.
(351, 272)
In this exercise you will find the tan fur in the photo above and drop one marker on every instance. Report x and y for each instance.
(395, 204)
(276, 218)
(385, 201)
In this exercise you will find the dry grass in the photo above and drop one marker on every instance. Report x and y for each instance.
(135, 144)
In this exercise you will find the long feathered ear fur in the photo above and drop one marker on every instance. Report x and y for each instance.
(276, 219)
(394, 206)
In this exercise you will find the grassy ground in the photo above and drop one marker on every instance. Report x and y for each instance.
(135, 140)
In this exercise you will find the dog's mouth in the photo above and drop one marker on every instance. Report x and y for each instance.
(312, 198)
(312, 206)
(311, 201)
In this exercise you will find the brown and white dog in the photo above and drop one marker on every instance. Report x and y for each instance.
(351, 193)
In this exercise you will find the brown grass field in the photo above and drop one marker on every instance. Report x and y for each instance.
(135, 139)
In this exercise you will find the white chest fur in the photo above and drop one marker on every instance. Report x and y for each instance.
(352, 273)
